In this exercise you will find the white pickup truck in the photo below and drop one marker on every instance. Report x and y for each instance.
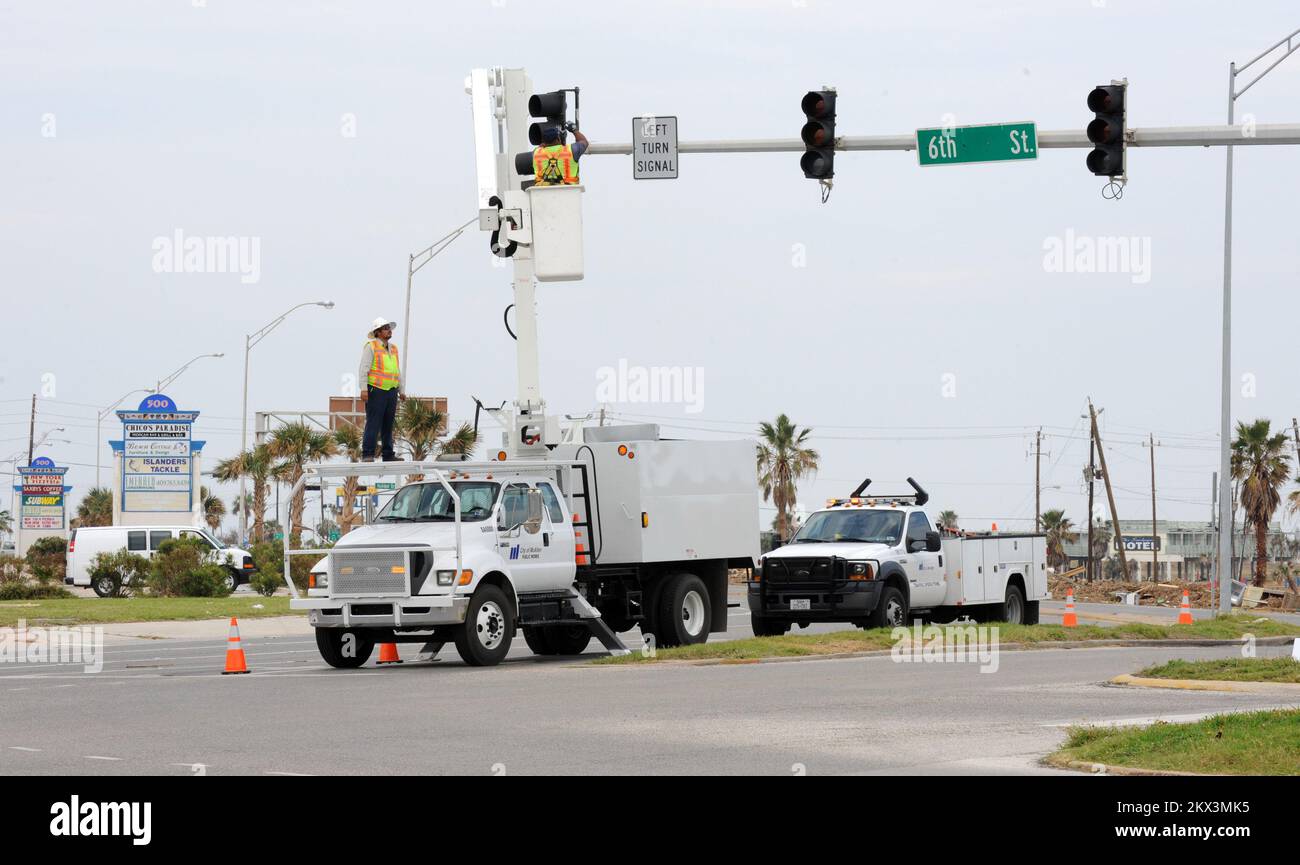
(616, 530)
(876, 561)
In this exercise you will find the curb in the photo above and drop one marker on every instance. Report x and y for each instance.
(1104, 769)
(1289, 688)
(1008, 647)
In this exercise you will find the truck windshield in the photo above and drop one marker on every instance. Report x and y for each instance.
(429, 502)
(861, 526)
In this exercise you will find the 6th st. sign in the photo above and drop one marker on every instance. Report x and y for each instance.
(963, 145)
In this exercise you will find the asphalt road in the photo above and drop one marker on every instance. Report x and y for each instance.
(161, 707)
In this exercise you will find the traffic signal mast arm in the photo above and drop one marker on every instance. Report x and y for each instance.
(1155, 136)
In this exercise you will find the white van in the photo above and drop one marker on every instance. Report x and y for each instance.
(86, 543)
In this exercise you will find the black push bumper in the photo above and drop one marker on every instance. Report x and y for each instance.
(839, 602)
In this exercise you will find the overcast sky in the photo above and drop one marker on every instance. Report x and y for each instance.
(924, 336)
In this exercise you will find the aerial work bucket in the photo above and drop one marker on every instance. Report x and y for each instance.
(556, 215)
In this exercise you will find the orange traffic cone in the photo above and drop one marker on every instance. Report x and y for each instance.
(1069, 620)
(388, 654)
(579, 548)
(235, 662)
(1185, 610)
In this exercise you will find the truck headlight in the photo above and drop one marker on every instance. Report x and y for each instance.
(319, 580)
(860, 571)
(446, 578)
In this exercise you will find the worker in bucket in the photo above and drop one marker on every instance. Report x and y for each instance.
(555, 163)
(383, 377)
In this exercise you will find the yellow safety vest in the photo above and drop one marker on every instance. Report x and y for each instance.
(555, 165)
(383, 366)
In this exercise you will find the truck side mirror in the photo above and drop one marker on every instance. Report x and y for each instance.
(933, 543)
(533, 512)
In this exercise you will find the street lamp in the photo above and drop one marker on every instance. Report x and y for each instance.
(251, 340)
(428, 254)
(1226, 517)
(99, 442)
(164, 382)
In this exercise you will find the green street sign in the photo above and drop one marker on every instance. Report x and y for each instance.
(992, 142)
(386, 486)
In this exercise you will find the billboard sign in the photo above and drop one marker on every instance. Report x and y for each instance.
(157, 466)
(43, 496)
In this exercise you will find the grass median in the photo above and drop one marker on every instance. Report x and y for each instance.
(102, 611)
(841, 642)
(1284, 670)
(1254, 743)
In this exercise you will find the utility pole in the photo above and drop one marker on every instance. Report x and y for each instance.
(1155, 538)
(1038, 481)
(1110, 493)
(1092, 477)
(1295, 429)
(31, 433)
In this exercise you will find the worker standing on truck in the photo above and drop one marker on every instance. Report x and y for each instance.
(556, 163)
(383, 390)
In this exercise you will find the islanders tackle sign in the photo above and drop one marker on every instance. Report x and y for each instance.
(157, 461)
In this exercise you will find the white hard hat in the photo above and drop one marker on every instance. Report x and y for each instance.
(379, 324)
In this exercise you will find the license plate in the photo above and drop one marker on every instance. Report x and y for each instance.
(801, 604)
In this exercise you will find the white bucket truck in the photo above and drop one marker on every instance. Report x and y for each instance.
(598, 530)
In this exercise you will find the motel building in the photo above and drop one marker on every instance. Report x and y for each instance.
(1183, 550)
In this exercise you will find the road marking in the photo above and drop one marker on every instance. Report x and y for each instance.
(291, 774)
(21, 748)
(97, 757)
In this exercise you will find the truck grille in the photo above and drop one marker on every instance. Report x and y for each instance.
(368, 572)
(809, 571)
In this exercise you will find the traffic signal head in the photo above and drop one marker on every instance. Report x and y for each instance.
(1106, 131)
(553, 107)
(818, 135)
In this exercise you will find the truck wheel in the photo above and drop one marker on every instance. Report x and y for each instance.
(1013, 608)
(891, 612)
(538, 640)
(484, 639)
(103, 587)
(232, 581)
(764, 627)
(685, 615)
(1031, 613)
(569, 639)
(342, 648)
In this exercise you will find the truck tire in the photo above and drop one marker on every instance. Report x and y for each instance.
(103, 587)
(557, 639)
(891, 612)
(343, 648)
(685, 614)
(1031, 613)
(485, 638)
(764, 627)
(538, 640)
(232, 580)
(1013, 608)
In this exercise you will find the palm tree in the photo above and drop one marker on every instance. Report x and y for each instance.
(257, 465)
(1101, 535)
(96, 509)
(1060, 531)
(348, 439)
(418, 426)
(948, 522)
(6, 522)
(295, 445)
(462, 441)
(1261, 464)
(214, 509)
(783, 459)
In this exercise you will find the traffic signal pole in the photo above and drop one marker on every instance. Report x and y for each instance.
(1156, 136)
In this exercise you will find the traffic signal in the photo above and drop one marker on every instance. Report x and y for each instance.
(1106, 131)
(818, 135)
(553, 107)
